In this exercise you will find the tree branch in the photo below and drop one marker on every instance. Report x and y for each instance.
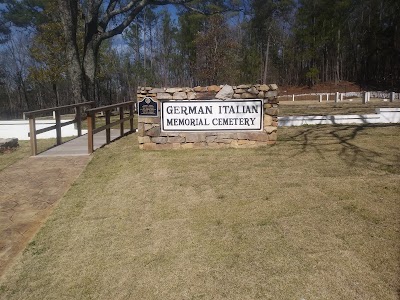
(135, 7)
(184, 3)
(128, 20)
(199, 11)
(112, 12)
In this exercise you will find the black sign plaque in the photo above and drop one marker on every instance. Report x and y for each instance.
(148, 107)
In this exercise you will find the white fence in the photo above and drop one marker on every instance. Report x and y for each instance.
(382, 116)
(20, 128)
(327, 96)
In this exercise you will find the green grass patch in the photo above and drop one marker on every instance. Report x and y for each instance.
(24, 150)
(11, 156)
(314, 217)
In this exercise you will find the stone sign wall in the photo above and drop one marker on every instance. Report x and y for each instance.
(152, 136)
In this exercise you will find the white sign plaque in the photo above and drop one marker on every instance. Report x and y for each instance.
(212, 115)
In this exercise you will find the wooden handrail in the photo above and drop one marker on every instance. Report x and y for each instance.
(32, 124)
(35, 113)
(91, 121)
(120, 121)
(39, 131)
(109, 107)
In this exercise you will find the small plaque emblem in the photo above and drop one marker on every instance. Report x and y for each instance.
(148, 107)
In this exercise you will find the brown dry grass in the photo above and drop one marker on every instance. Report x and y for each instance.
(313, 107)
(314, 217)
(10, 157)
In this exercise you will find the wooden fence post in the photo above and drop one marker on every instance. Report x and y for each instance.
(131, 114)
(90, 122)
(121, 116)
(58, 127)
(78, 118)
(32, 130)
(108, 130)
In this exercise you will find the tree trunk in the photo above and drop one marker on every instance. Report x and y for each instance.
(55, 90)
(144, 40)
(151, 46)
(11, 103)
(90, 69)
(69, 12)
(137, 44)
(337, 73)
(265, 73)
(28, 103)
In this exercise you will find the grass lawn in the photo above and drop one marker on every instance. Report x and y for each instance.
(9, 157)
(314, 217)
(24, 150)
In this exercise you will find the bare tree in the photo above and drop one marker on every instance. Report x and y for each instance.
(99, 20)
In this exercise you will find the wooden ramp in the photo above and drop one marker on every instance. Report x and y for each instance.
(96, 136)
(79, 145)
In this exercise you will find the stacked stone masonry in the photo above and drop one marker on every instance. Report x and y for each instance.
(151, 137)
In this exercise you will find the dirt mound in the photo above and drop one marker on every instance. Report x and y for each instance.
(327, 87)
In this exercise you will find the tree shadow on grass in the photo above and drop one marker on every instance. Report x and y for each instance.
(375, 147)
(354, 144)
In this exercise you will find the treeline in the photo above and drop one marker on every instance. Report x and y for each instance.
(199, 43)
